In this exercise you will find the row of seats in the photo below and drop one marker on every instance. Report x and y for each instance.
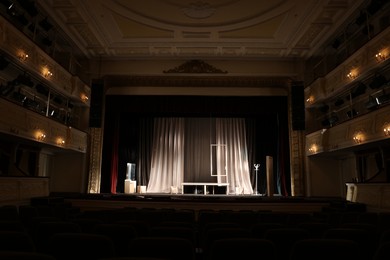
(89, 246)
(117, 231)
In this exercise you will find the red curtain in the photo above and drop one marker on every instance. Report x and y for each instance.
(114, 156)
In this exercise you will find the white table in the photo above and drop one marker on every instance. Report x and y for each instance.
(205, 184)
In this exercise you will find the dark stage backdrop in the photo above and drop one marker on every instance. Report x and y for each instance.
(129, 117)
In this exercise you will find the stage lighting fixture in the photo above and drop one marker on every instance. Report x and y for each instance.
(371, 103)
(383, 99)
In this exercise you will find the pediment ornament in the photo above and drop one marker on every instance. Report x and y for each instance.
(195, 66)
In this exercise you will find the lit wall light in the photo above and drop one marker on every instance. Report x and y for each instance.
(40, 135)
(386, 129)
(358, 137)
(310, 99)
(380, 56)
(84, 98)
(46, 72)
(22, 56)
(313, 148)
(60, 141)
(352, 74)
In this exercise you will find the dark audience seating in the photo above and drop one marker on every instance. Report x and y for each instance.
(54, 232)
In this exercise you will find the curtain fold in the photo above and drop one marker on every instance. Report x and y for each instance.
(182, 150)
(167, 162)
(232, 133)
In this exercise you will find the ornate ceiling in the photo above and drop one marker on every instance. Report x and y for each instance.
(188, 29)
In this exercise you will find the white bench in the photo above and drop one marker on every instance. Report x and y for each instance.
(205, 185)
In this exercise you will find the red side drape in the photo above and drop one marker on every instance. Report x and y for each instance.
(114, 156)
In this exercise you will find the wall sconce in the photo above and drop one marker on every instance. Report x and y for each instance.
(60, 141)
(352, 74)
(386, 129)
(22, 56)
(358, 137)
(380, 56)
(310, 99)
(84, 98)
(40, 135)
(313, 148)
(46, 72)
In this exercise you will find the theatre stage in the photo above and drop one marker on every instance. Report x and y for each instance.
(200, 202)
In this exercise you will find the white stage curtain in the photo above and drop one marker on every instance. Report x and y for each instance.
(232, 132)
(168, 155)
(167, 162)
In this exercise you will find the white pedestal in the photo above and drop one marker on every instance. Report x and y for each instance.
(130, 186)
(141, 189)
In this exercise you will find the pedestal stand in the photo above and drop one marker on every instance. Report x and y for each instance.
(256, 169)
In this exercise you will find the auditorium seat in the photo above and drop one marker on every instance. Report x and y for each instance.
(9, 212)
(365, 239)
(276, 217)
(120, 234)
(12, 225)
(242, 248)
(87, 224)
(325, 249)
(141, 227)
(85, 246)
(316, 229)
(382, 251)
(213, 234)
(174, 231)
(258, 229)
(168, 248)
(285, 238)
(16, 241)
(14, 255)
(44, 230)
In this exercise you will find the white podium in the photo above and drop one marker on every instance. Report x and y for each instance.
(130, 186)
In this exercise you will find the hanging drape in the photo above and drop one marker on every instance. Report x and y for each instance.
(167, 160)
(180, 144)
(232, 133)
(114, 157)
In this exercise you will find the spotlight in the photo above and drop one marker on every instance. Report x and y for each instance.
(385, 98)
(371, 103)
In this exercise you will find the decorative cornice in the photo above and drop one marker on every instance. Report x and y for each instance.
(195, 66)
(206, 81)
